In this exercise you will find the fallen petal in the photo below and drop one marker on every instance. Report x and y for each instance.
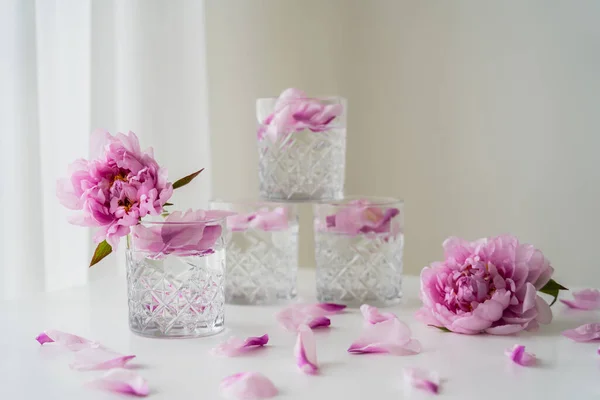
(319, 322)
(72, 342)
(319, 309)
(422, 379)
(392, 336)
(519, 356)
(584, 333)
(587, 299)
(43, 338)
(247, 386)
(235, 346)
(372, 315)
(291, 318)
(99, 358)
(122, 380)
(306, 350)
(330, 308)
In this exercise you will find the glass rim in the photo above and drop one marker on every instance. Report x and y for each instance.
(319, 98)
(377, 201)
(206, 221)
(249, 201)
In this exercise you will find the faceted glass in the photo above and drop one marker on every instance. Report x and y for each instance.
(178, 294)
(262, 253)
(302, 164)
(358, 262)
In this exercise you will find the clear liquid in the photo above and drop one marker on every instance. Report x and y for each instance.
(176, 296)
(304, 166)
(262, 266)
(354, 270)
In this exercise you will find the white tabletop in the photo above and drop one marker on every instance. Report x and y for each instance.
(473, 367)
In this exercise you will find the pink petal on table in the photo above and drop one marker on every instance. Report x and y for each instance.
(319, 309)
(372, 315)
(330, 308)
(70, 341)
(235, 346)
(290, 318)
(587, 299)
(519, 356)
(247, 386)
(584, 333)
(99, 358)
(306, 350)
(319, 322)
(422, 379)
(122, 380)
(392, 336)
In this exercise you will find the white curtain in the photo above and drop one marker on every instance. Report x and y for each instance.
(66, 68)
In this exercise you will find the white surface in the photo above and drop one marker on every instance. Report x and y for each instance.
(481, 114)
(474, 367)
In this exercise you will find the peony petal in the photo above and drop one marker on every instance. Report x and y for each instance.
(471, 323)
(290, 318)
(43, 338)
(267, 220)
(247, 386)
(530, 295)
(587, 299)
(372, 315)
(330, 308)
(422, 379)
(508, 329)
(490, 310)
(584, 333)
(544, 311)
(306, 350)
(392, 336)
(240, 222)
(122, 380)
(68, 340)
(519, 356)
(319, 322)
(457, 249)
(234, 346)
(99, 358)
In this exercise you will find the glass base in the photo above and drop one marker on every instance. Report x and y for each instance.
(178, 332)
(176, 297)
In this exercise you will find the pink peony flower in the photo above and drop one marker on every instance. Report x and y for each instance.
(295, 112)
(115, 190)
(489, 285)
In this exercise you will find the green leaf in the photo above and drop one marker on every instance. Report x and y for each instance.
(167, 204)
(186, 179)
(101, 251)
(441, 328)
(552, 288)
